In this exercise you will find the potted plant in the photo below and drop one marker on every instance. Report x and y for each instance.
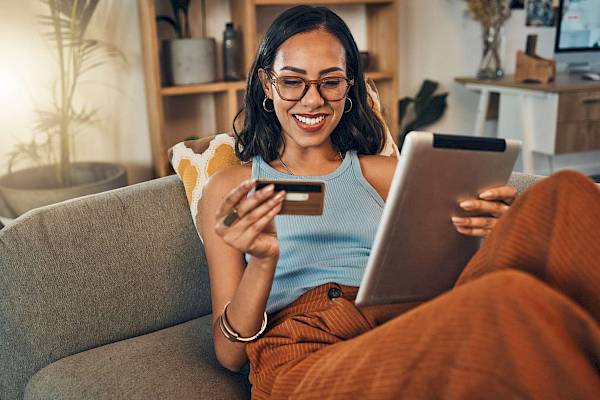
(56, 177)
(188, 60)
(422, 110)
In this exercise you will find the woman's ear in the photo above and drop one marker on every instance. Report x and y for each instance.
(265, 82)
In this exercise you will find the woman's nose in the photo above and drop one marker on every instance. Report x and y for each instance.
(312, 97)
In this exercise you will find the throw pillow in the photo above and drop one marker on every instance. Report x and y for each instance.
(195, 161)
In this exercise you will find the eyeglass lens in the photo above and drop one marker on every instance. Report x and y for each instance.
(294, 88)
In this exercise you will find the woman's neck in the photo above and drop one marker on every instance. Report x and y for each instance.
(308, 163)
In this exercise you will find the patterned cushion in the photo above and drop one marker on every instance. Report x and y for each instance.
(195, 161)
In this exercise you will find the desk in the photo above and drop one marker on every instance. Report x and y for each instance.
(554, 118)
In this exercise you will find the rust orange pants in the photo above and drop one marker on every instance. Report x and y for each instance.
(521, 322)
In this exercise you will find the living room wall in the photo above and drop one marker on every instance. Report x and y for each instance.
(437, 40)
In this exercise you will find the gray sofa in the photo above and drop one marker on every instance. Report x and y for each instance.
(107, 297)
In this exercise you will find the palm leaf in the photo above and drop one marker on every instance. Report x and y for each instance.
(86, 15)
(84, 116)
(95, 53)
(424, 95)
(24, 151)
(47, 121)
(403, 108)
(434, 110)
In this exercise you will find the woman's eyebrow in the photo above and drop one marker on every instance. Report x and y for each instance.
(302, 71)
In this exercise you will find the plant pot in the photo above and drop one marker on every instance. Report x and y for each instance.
(190, 61)
(30, 188)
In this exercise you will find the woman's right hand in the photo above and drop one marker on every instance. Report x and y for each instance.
(253, 232)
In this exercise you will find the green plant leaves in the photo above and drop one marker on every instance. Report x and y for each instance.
(94, 53)
(67, 23)
(403, 108)
(170, 21)
(424, 96)
(431, 112)
(71, 16)
(425, 108)
(180, 22)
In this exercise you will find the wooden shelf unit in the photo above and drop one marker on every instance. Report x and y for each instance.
(382, 36)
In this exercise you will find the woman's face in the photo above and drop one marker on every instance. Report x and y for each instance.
(307, 122)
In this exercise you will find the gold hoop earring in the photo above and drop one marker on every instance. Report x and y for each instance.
(265, 105)
(348, 110)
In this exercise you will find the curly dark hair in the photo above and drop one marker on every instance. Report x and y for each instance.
(358, 129)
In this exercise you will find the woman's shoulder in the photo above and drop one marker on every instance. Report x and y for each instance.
(377, 160)
(228, 178)
(378, 171)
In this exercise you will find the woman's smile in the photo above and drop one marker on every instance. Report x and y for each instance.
(310, 122)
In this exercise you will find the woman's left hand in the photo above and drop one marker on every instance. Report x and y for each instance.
(494, 202)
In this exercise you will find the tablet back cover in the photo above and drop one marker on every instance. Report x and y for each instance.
(417, 252)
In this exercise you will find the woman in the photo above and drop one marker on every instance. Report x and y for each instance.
(306, 116)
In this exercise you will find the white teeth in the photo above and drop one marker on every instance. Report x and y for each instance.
(309, 121)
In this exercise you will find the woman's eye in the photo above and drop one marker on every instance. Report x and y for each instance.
(292, 82)
(331, 83)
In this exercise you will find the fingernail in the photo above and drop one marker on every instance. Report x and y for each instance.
(248, 183)
(486, 195)
(457, 219)
(467, 204)
(269, 188)
(280, 195)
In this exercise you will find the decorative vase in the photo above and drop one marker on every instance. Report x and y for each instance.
(490, 66)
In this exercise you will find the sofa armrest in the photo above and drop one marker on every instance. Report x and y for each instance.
(522, 181)
(94, 270)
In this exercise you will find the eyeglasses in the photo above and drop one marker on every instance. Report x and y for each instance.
(293, 88)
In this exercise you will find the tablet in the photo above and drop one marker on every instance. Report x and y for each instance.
(417, 253)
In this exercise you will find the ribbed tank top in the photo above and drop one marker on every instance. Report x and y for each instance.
(333, 247)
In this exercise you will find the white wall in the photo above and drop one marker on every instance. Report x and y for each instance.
(439, 41)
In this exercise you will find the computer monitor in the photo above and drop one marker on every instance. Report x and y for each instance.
(577, 43)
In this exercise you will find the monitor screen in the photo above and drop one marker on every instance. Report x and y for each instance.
(578, 26)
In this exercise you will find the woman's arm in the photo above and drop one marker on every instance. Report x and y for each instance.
(379, 172)
(247, 287)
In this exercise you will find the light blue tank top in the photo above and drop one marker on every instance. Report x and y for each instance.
(333, 247)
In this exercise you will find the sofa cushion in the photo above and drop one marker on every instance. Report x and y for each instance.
(173, 363)
(95, 270)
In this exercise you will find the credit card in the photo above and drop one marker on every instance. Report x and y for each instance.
(301, 198)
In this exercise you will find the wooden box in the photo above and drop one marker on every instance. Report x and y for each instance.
(532, 68)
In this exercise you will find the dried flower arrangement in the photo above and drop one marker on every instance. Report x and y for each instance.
(490, 13)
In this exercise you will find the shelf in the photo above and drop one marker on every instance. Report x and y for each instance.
(319, 2)
(213, 87)
(173, 111)
(380, 75)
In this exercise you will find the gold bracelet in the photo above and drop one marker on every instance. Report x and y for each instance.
(231, 334)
